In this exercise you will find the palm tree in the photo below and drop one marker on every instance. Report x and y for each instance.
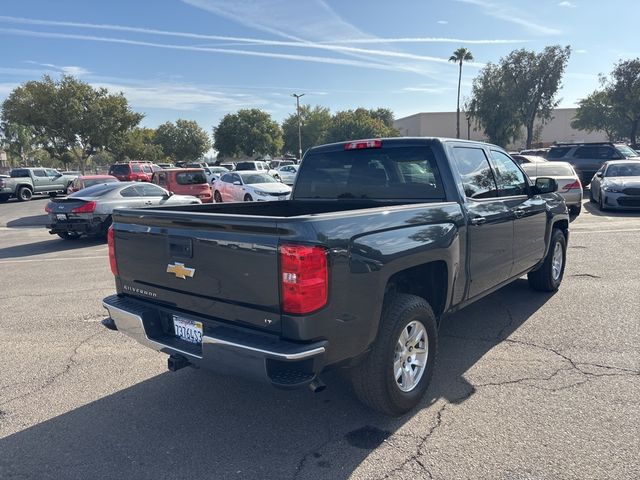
(459, 56)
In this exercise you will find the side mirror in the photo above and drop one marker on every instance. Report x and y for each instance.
(545, 185)
(599, 174)
(237, 182)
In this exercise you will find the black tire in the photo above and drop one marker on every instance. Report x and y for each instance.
(373, 379)
(545, 278)
(24, 194)
(248, 198)
(591, 199)
(4, 198)
(601, 203)
(104, 228)
(69, 235)
(217, 197)
(575, 210)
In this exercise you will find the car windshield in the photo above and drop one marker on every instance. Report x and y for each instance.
(219, 169)
(98, 181)
(551, 169)
(96, 190)
(380, 174)
(249, 178)
(626, 151)
(623, 170)
(190, 178)
(119, 169)
(246, 166)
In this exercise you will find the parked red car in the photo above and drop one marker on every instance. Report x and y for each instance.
(185, 181)
(85, 181)
(133, 171)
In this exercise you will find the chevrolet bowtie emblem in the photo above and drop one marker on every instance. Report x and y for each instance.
(180, 270)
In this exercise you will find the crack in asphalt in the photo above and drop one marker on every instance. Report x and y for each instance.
(71, 361)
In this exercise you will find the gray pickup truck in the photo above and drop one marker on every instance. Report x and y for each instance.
(24, 183)
(381, 240)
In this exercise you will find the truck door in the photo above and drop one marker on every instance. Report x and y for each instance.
(490, 227)
(40, 180)
(529, 213)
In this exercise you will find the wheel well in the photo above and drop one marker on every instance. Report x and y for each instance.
(562, 225)
(20, 185)
(428, 281)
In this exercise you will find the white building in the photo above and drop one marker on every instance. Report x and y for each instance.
(443, 124)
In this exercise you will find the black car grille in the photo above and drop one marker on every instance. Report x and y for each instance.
(631, 191)
(629, 201)
(278, 194)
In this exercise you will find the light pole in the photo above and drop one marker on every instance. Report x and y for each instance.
(298, 96)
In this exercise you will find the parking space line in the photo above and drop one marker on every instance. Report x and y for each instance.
(51, 259)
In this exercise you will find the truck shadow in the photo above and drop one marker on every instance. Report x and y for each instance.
(49, 246)
(193, 424)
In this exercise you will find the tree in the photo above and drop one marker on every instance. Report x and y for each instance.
(597, 113)
(315, 125)
(535, 80)
(361, 123)
(183, 141)
(248, 132)
(523, 85)
(459, 56)
(624, 93)
(70, 116)
(493, 111)
(138, 144)
(18, 141)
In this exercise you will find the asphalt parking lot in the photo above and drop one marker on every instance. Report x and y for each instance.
(528, 385)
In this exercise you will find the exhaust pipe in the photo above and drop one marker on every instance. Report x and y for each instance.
(176, 362)
(317, 385)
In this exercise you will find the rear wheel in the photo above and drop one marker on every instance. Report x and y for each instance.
(575, 210)
(395, 374)
(217, 197)
(248, 198)
(24, 194)
(548, 276)
(104, 228)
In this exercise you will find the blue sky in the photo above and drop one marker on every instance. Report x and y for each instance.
(201, 59)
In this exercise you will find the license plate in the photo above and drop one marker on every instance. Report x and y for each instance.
(187, 330)
(61, 216)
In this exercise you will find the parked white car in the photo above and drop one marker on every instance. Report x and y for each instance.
(287, 174)
(249, 186)
(256, 167)
(214, 173)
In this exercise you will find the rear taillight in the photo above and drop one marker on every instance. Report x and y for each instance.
(112, 251)
(304, 276)
(88, 207)
(573, 186)
(363, 144)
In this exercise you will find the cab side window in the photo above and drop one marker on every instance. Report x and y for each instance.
(477, 178)
(511, 180)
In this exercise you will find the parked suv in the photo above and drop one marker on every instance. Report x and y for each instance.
(185, 181)
(587, 158)
(258, 166)
(133, 171)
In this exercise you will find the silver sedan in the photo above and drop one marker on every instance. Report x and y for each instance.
(287, 174)
(569, 185)
(88, 212)
(617, 185)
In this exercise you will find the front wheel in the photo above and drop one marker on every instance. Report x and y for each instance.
(217, 197)
(601, 205)
(548, 277)
(248, 198)
(395, 374)
(69, 235)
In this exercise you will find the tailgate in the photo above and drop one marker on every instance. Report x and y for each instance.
(221, 266)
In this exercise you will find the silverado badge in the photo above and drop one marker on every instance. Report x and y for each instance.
(180, 270)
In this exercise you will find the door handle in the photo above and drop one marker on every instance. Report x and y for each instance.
(148, 203)
(518, 212)
(478, 220)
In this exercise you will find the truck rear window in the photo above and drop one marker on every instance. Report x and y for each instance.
(17, 173)
(405, 173)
